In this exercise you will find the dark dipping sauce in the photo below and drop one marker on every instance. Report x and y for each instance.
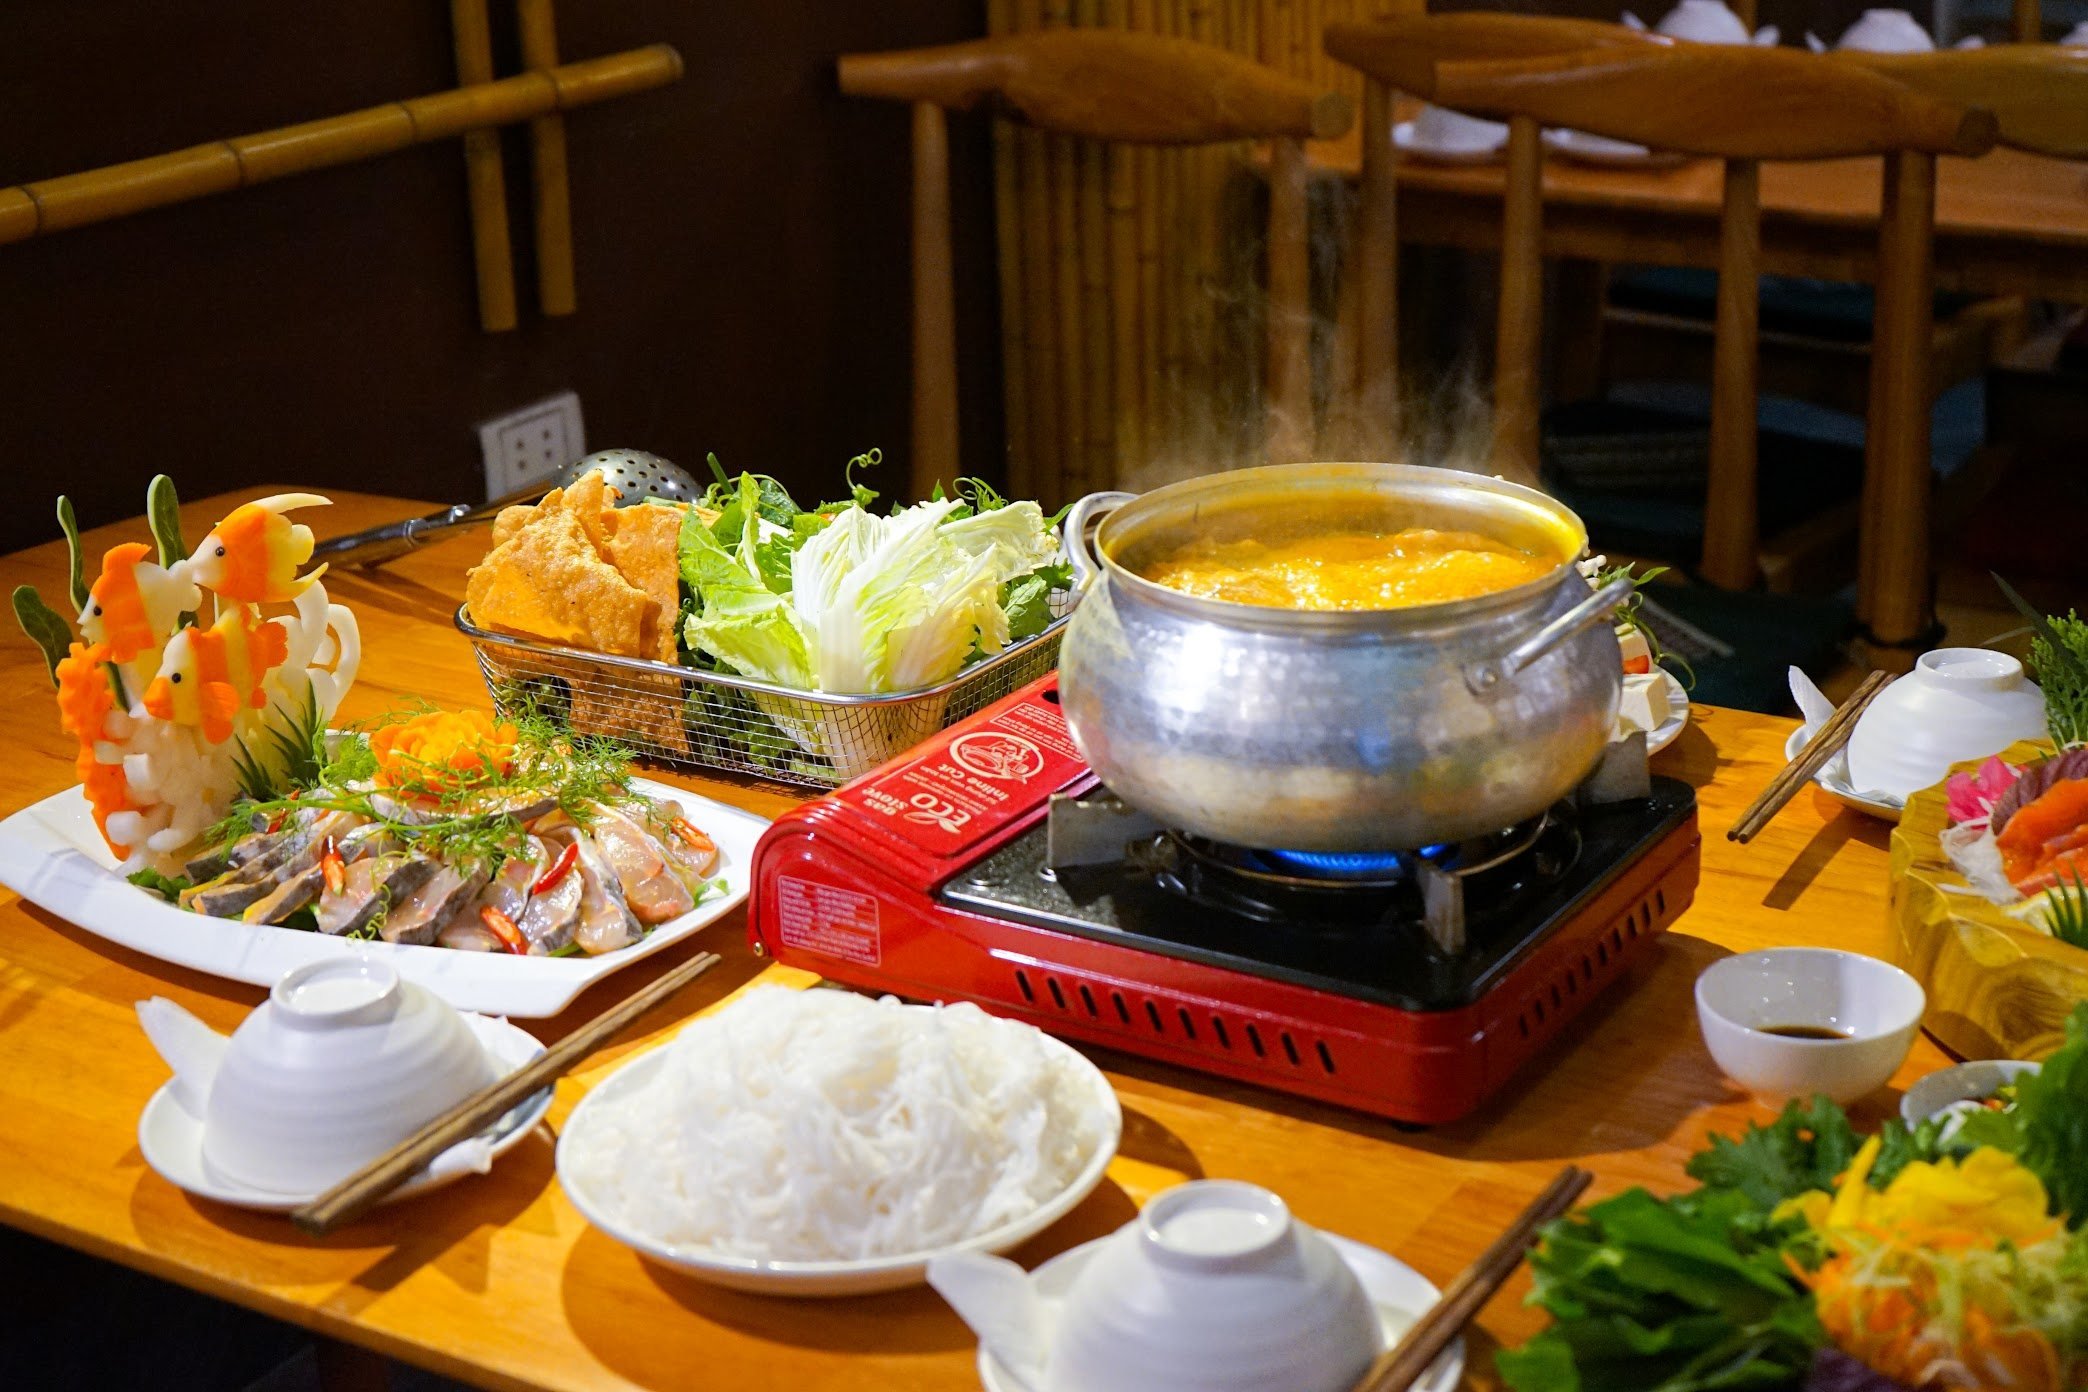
(1804, 1032)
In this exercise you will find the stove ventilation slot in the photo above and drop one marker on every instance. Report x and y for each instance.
(1553, 1001)
(1210, 1031)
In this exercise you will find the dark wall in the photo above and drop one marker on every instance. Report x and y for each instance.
(741, 235)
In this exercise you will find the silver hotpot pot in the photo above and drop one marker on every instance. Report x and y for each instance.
(1336, 731)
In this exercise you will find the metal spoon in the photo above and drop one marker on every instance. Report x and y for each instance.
(634, 474)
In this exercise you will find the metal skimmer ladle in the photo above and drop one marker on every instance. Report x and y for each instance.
(634, 474)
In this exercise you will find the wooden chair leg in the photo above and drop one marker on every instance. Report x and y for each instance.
(1732, 522)
(1289, 307)
(1894, 598)
(1377, 282)
(934, 305)
(1520, 336)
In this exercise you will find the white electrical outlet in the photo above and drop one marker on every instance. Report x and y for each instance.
(530, 445)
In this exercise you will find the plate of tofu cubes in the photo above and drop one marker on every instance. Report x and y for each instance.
(1652, 701)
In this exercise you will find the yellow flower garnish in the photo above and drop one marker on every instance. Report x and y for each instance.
(442, 752)
(1989, 1194)
(1916, 1283)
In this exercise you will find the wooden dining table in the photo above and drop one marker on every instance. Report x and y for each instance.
(499, 1281)
(2008, 223)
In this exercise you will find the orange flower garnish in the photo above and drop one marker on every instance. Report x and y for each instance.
(443, 752)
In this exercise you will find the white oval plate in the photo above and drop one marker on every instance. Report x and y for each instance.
(1400, 1293)
(171, 1136)
(1403, 138)
(803, 1278)
(1605, 153)
(1839, 789)
(51, 855)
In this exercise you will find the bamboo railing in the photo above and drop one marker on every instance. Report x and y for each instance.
(1130, 309)
(119, 190)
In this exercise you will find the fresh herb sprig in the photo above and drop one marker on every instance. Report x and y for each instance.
(454, 823)
(2059, 662)
(1627, 615)
(2066, 911)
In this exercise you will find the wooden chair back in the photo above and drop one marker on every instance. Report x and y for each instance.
(1401, 55)
(1109, 86)
(2037, 92)
(1742, 105)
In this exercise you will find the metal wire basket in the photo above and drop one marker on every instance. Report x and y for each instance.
(709, 720)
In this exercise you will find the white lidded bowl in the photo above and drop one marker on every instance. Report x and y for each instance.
(1957, 704)
(1887, 31)
(1214, 1288)
(342, 1062)
(1704, 21)
(1874, 1004)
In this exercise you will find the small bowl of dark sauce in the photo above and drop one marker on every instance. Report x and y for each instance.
(1794, 1021)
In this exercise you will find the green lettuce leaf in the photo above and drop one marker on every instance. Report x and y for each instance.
(2052, 1112)
(167, 887)
(736, 618)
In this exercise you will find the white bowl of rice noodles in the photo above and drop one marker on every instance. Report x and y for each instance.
(818, 1143)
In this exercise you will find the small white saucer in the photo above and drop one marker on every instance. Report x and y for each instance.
(1605, 153)
(171, 1136)
(1670, 729)
(1403, 138)
(1400, 1293)
(1837, 786)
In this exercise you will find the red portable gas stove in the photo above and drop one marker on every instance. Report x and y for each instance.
(1411, 985)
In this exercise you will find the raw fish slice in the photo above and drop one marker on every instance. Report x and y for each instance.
(2040, 829)
(2035, 782)
(605, 922)
(649, 887)
(465, 933)
(232, 854)
(294, 853)
(550, 917)
(508, 891)
(423, 912)
(370, 886)
(292, 895)
(692, 865)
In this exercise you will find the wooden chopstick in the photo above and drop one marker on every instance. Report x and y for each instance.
(354, 1195)
(1399, 1367)
(1831, 736)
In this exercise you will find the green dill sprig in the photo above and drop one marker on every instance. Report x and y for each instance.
(2059, 662)
(446, 816)
(1627, 616)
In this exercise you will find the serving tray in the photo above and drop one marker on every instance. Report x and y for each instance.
(51, 855)
(1997, 987)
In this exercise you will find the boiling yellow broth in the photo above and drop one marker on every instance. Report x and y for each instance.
(1349, 570)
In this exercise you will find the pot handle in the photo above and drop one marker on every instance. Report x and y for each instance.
(1484, 676)
(1073, 533)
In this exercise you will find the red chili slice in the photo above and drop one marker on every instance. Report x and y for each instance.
(558, 871)
(691, 836)
(504, 929)
(333, 868)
